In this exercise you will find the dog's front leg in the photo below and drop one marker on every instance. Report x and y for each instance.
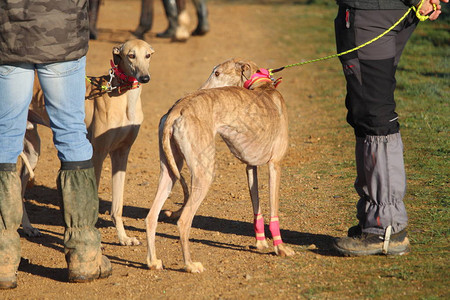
(258, 222)
(274, 226)
(119, 165)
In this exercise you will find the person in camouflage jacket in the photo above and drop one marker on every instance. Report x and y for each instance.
(370, 75)
(48, 38)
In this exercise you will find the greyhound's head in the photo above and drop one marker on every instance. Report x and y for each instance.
(233, 72)
(133, 58)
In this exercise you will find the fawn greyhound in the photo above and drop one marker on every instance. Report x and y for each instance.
(253, 123)
(113, 117)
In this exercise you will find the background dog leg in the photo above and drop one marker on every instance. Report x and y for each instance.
(274, 189)
(258, 223)
(32, 150)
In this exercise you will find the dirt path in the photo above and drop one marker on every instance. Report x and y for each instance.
(222, 234)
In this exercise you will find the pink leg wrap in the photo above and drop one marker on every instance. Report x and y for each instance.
(258, 225)
(274, 227)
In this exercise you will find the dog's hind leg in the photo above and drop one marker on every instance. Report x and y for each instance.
(175, 215)
(201, 182)
(274, 226)
(165, 185)
(119, 160)
(201, 161)
(258, 223)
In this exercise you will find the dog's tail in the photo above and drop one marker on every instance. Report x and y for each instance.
(167, 123)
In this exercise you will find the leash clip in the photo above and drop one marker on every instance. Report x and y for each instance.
(109, 86)
(275, 82)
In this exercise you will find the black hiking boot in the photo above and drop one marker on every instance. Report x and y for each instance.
(202, 17)
(372, 244)
(146, 19)
(172, 17)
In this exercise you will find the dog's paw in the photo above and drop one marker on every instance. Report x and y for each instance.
(261, 244)
(155, 265)
(129, 241)
(283, 250)
(194, 267)
(31, 231)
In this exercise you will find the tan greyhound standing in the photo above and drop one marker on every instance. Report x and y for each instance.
(113, 117)
(253, 124)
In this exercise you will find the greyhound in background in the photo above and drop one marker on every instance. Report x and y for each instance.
(253, 124)
(113, 118)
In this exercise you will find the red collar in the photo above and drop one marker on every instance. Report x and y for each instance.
(262, 75)
(121, 75)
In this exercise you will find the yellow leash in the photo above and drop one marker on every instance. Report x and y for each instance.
(418, 15)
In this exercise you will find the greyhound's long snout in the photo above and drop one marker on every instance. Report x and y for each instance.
(144, 79)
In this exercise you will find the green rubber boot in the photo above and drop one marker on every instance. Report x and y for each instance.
(79, 205)
(10, 218)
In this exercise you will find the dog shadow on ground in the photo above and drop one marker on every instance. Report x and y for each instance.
(318, 243)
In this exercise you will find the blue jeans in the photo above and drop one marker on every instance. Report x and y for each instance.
(63, 84)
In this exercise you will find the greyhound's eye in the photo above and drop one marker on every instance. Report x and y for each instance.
(147, 56)
(217, 73)
(131, 56)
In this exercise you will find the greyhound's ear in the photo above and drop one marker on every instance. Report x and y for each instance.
(116, 54)
(246, 69)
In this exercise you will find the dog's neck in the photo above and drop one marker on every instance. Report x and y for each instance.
(122, 83)
(260, 78)
(119, 80)
(133, 97)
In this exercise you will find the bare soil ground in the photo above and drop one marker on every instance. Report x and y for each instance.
(222, 234)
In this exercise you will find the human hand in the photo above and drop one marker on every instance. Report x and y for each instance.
(432, 8)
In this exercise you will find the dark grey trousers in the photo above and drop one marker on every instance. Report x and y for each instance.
(370, 76)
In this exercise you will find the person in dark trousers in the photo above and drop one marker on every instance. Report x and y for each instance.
(48, 39)
(370, 75)
(172, 9)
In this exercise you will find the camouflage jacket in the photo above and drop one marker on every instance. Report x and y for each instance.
(378, 4)
(43, 31)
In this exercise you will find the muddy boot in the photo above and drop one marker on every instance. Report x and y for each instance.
(79, 205)
(93, 15)
(170, 7)
(202, 16)
(146, 20)
(10, 217)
